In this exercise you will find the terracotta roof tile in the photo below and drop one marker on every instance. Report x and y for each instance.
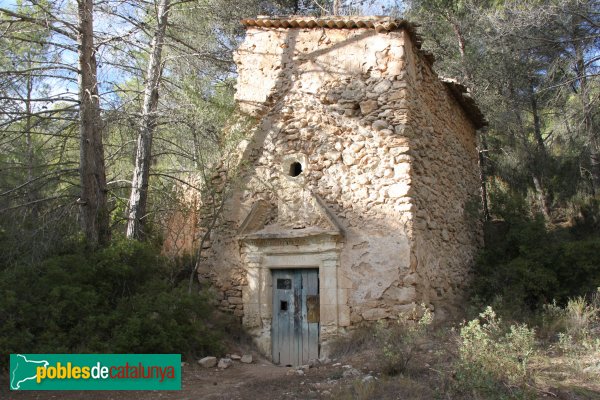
(468, 104)
(380, 24)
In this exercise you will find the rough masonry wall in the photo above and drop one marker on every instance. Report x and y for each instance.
(447, 230)
(382, 143)
(337, 97)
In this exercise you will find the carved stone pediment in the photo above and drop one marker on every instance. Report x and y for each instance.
(312, 218)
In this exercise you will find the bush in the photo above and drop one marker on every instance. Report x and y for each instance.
(358, 340)
(494, 360)
(576, 327)
(398, 340)
(394, 341)
(529, 265)
(121, 299)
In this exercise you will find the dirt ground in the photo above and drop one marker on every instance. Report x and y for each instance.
(261, 379)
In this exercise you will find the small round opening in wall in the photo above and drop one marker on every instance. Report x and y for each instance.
(295, 169)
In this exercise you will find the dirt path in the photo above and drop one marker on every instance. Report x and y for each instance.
(261, 379)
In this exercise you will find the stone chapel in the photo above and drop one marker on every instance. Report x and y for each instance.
(362, 171)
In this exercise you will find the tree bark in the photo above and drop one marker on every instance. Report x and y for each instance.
(336, 7)
(586, 108)
(93, 201)
(539, 163)
(537, 125)
(460, 39)
(139, 183)
(483, 177)
(31, 196)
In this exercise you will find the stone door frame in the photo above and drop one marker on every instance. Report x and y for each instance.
(263, 254)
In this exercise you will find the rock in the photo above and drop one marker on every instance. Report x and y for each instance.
(368, 106)
(225, 363)
(208, 362)
(353, 93)
(379, 125)
(247, 359)
(403, 295)
(375, 314)
(351, 373)
(304, 368)
(410, 279)
(398, 190)
(396, 151)
(333, 155)
(592, 369)
(368, 379)
(382, 86)
(348, 159)
(356, 147)
(445, 235)
(235, 300)
(325, 360)
(395, 67)
(399, 129)
(235, 357)
(299, 372)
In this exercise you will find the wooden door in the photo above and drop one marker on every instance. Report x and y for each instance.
(295, 325)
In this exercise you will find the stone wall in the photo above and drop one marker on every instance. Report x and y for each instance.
(383, 146)
(447, 229)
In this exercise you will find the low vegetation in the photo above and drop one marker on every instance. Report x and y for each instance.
(532, 327)
(125, 298)
(484, 358)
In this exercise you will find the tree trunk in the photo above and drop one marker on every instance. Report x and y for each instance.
(460, 38)
(482, 177)
(139, 183)
(539, 157)
(537, 125)
(93, 201)
(31, 195)
(336, 7)
(588, 123)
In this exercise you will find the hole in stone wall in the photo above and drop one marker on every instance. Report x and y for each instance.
(284, 306)
(295, 169)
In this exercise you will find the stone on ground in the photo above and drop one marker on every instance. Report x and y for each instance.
(225, 363)
(247, 359)
(208, 362)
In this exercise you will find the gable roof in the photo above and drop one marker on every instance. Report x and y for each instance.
(380, 24)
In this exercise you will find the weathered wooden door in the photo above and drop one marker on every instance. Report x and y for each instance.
(295, 327)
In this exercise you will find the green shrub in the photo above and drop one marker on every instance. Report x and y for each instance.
(575, 328)
(394, 341)
(528, 265)
(493, 360)
(120, 299)
(397, 340)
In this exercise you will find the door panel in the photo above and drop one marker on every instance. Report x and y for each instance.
(295, 324)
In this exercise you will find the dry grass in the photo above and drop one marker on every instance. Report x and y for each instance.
(567, 368)
(402, 387)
